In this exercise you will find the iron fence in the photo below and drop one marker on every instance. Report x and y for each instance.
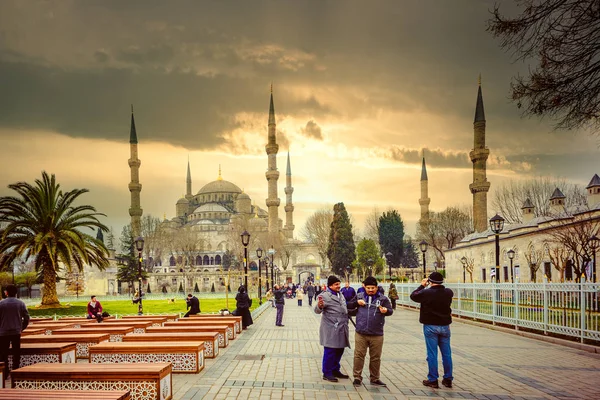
(570, 309)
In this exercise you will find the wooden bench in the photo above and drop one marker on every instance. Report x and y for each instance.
(144, 381)
(198, 322)
(80, 319)
(217, 318)
(33, 331)
(82, 340)
(34, 394)
(169, 317)
(158, 321)
(33, 320)
(116, 332)
(220, 329)
(2, 374)
(210, 339)
(186, 357)
(138, 326)
(50, 327)
(33, 353)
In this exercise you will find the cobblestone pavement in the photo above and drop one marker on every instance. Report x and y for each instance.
(268, 362)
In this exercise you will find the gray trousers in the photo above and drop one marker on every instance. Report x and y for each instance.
(279, 318)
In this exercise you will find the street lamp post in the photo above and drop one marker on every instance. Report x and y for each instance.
(259, 254)
(77, 284)
(370, 263)
(496, 225)
(594, 243)
(423, 246)
(272, 254)
(464, 263)
(139, 244)
(388, 257)
(245, 240)
(511, 256)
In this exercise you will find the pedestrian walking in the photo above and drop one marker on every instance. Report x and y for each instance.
(299, 295)
(348, 292)
(318, 291)
(370, 309)
(393, 295)
(436, 317)
(193, 304)
(14, 318)
(310, 293)
(333, 332)
(279, 295)
(243, 303)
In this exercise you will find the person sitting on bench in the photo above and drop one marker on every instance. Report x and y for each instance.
(94, 309)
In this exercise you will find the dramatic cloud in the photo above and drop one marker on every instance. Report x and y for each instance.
(312, 130)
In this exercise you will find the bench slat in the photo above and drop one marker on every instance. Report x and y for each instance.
(33, 394)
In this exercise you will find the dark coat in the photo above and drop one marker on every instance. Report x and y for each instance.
(242, 300)
(193, 304)
(310, 290)
(14, 316)
(435, 304)
(279, 295)
(334, 321)
(369, 321)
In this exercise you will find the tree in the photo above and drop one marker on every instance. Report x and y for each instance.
(317, 231)
(562, 36)
(443, 230)
(410, 254)
(391, 236)
(509, 197)
(372, 225)
(45, 224)
(368, 258)
(27, 279)
(127, 261)
(341, 248)
(110, 239)
(559, 257)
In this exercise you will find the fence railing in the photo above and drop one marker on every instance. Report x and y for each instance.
(570, 309)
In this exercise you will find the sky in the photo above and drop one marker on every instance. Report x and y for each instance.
(360, 90)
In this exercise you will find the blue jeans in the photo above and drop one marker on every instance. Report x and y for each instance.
(438, 336)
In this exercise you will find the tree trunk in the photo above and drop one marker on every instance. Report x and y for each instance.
(50, 298)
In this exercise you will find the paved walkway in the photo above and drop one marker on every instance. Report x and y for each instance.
(487, 365)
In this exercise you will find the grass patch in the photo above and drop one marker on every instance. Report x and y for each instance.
(123, 307)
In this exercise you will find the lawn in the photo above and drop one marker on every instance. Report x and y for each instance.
(120, 307)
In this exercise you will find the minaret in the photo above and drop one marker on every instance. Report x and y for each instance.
(272, 173)
(479, 156)
(424, 200)
(188, 183)
(289, 206)
(135, 211)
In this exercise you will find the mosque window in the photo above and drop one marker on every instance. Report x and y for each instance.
(218, 260)
(198, 260)
(172, 261)
(212, 261)
(206, 261)
(174, 281)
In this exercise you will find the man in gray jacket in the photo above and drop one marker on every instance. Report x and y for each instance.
(371, 308)
(333, 333)
(14, 318)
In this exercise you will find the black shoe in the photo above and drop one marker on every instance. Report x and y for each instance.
(338, 374)
(431, 384)
(378, 383)
(357, 382)
(447, 382)
(330, 378)
(280, 325)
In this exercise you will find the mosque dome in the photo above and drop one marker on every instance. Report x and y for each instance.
(257, 222)
(220, 186)
(210, 207)
(243, 196)
(183, 200)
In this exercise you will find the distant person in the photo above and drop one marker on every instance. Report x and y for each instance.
(279, 295)
(333, 332)
(393, 295)
(310, 293)
(14, 318)
(94, 309)
(243, 303)
(318, 290)
(348, 292)
(299, 295)
(193, 304)
(436, 317)
(371, 308)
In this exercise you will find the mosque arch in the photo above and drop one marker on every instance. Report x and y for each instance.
(172, 261)
(198, 260)
(205, 260)
(217, 260)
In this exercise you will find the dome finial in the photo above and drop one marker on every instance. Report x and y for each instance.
(479, 80)
(220, 178)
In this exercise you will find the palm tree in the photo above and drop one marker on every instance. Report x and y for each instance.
(44, 224)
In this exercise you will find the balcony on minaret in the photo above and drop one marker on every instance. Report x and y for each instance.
(272, 174)
(478, 154)
(479, 187)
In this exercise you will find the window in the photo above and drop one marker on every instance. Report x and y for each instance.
(548, 270)
(569, 271)
(198, 260)
(506, 277)
(483, 273)
(172, 261)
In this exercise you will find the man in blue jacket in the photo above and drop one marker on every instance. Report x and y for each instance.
(371, 308)
(436, 317)
(14, 318)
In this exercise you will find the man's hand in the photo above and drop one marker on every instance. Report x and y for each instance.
(361, 302)
(382, 309)
(425, 282)
(321, 303)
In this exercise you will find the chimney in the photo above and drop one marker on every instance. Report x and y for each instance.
(593, 189)
(528, 211)
(557, 202)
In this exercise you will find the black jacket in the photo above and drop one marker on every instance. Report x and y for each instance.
(369, 321)
(279, 295)
(242, 300)
(193, 304)
(14, 316)
(435, 304)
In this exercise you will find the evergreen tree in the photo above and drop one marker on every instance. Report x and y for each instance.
(368, 258)
(391, 236)
(196, 289)
(410, 254)
(128, 268)
(341, 248)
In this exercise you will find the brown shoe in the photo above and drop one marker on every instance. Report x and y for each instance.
(431, 384)
(378, 383)
(447, 382)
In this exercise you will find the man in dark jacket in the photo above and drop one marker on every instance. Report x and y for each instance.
(436, 317)
(193, 304)
(279, 295)
(371, 308)
(348, 292)
(14, 318)
(310, 292)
